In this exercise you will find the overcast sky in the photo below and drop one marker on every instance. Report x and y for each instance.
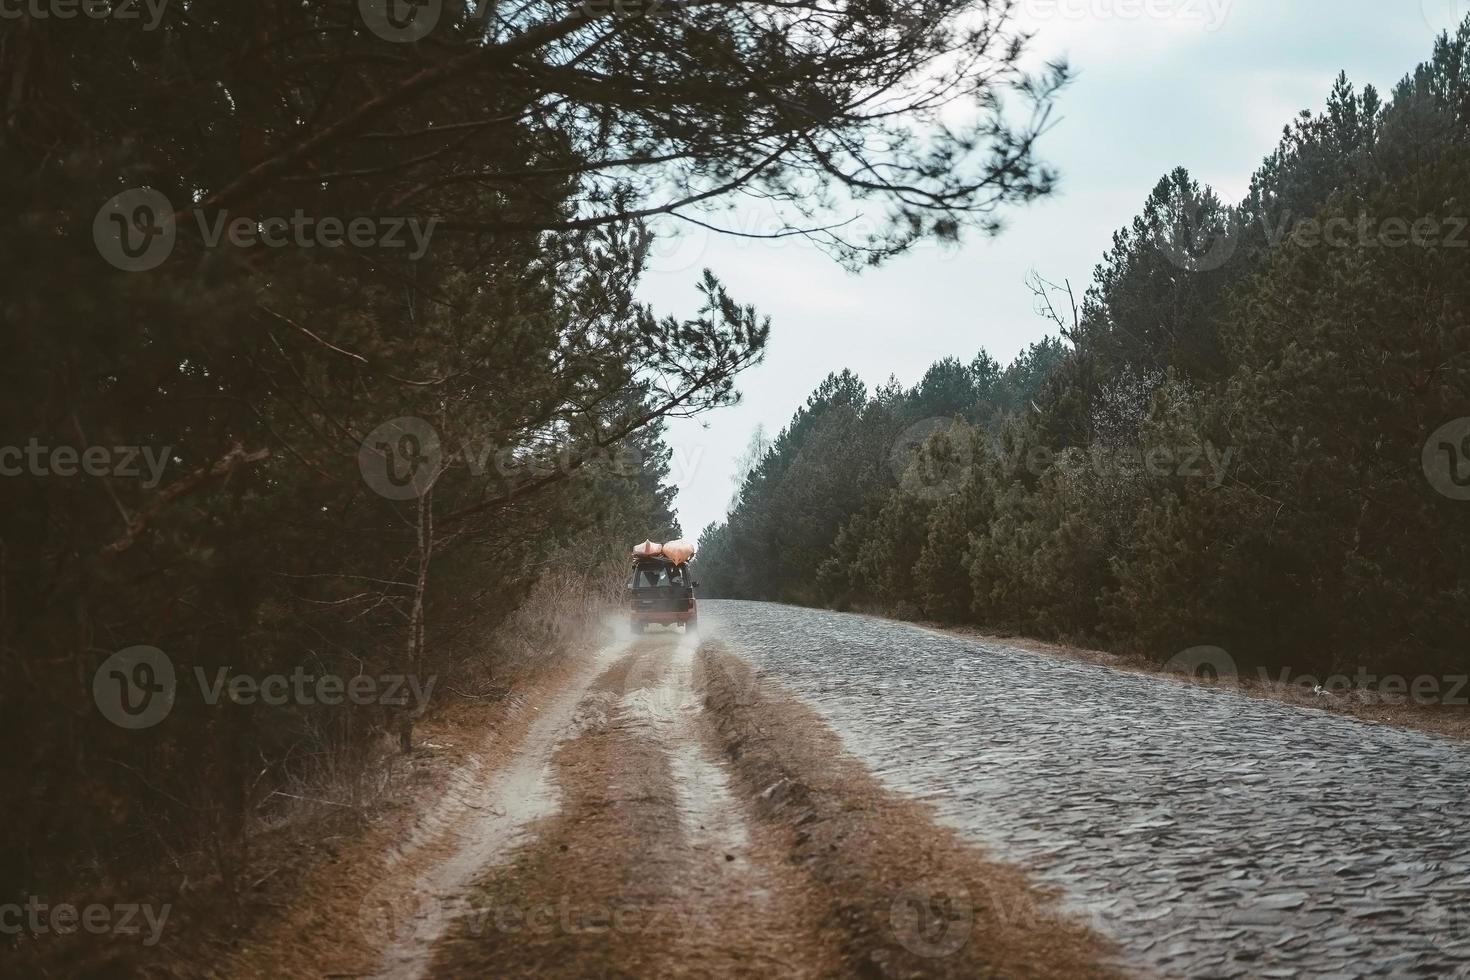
(1207, 84)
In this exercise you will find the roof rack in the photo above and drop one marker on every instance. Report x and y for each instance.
(652, 560)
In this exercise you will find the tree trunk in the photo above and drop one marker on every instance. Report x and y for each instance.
(414, 660)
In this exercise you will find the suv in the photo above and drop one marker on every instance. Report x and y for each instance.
(661, 592)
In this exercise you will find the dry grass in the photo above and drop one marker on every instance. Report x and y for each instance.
(565, 611)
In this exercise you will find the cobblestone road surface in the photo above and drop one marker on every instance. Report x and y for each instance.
(1211, 834)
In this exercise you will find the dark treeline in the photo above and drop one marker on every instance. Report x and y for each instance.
(369, 455)
(1237, 442)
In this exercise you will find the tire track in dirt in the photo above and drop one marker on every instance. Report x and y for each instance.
(650, 868)
(423, 890)
(749, 912)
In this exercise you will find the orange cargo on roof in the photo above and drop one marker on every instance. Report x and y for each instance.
(679, 551)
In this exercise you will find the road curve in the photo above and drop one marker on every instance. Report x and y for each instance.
(1209, 833)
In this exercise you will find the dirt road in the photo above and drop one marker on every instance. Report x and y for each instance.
(665, 812)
